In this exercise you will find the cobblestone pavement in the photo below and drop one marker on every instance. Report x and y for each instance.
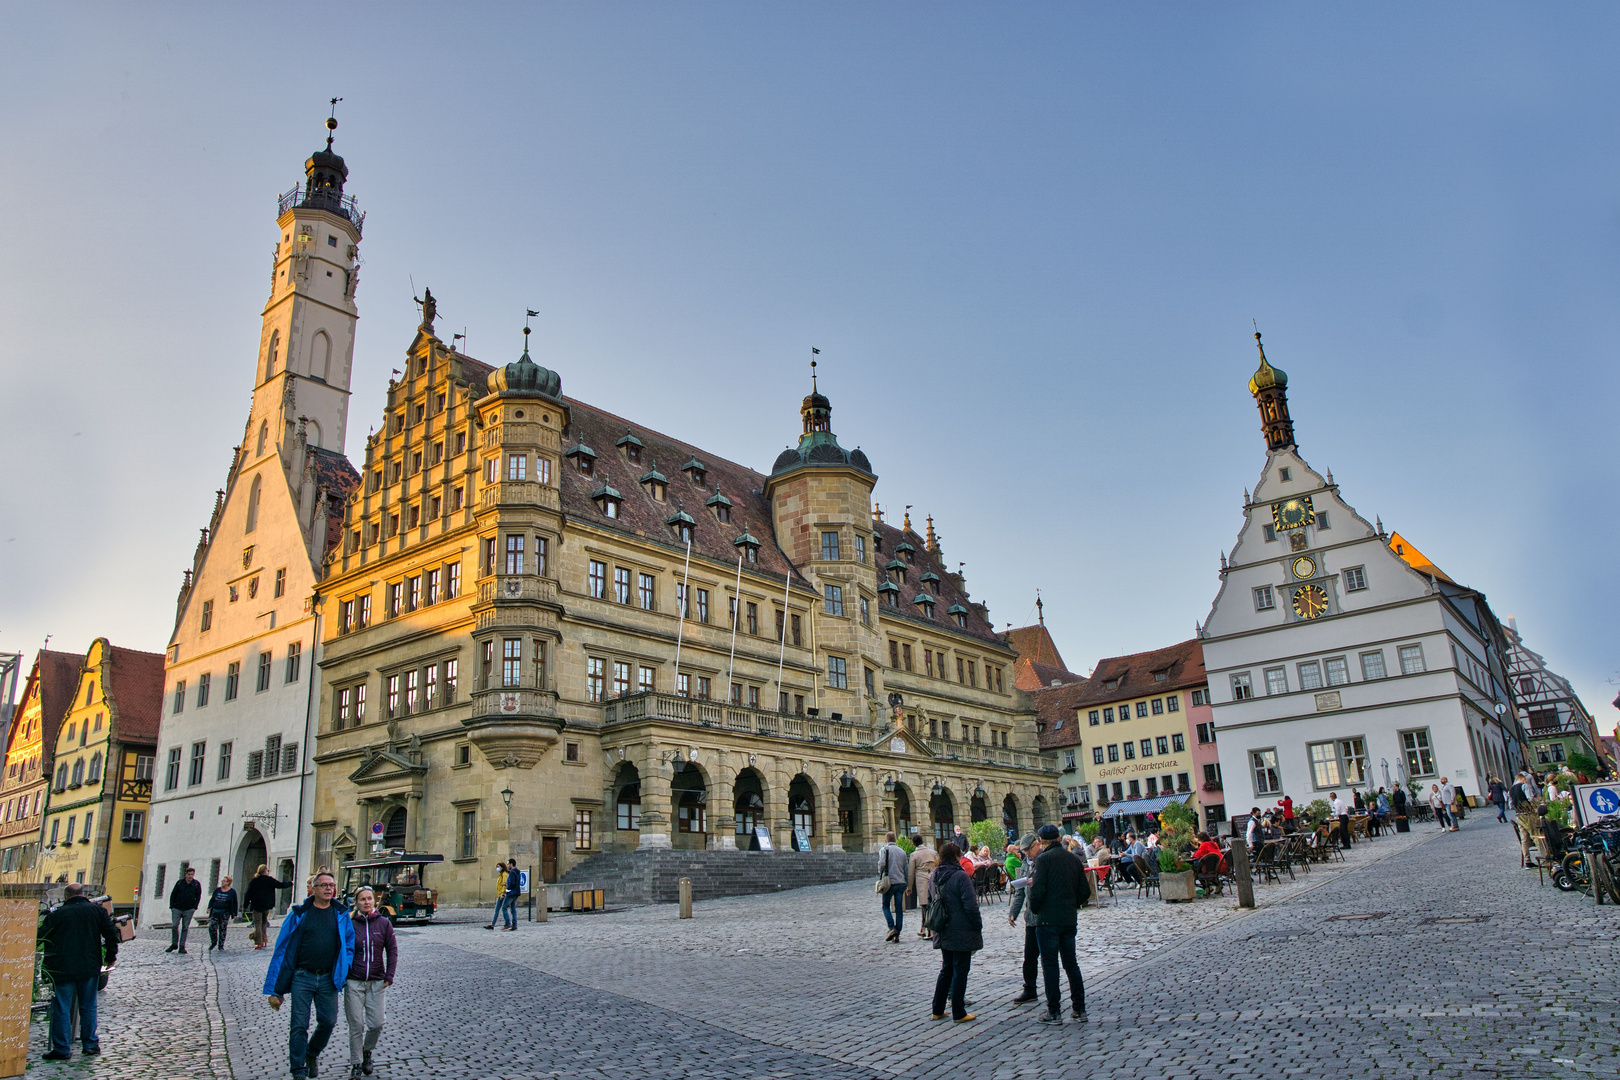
(1425, 954)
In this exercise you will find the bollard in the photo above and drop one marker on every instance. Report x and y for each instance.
(542, 905)
(1240, 870)
(686, 898)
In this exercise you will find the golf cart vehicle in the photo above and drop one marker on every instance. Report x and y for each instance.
(397, 877)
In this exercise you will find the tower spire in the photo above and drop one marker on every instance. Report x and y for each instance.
(1040, 608)
(1269, 386)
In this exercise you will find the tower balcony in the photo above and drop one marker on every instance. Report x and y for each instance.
(524, 493)
(518, 588)
(303, 197)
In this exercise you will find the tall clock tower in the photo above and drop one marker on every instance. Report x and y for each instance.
(1330, 658)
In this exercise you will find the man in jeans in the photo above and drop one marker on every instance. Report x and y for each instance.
(76, 937)
(311, 962)
(183, 901)
(1056, 891)
(892, 862)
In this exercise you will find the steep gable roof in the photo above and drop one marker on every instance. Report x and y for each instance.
(1039, 663)
(1119, 678)
(134, 682)
(53, 680)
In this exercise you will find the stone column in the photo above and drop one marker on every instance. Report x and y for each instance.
(657, 812)
(827, 822)
(722, 810)
(778, 817)
(413, 833)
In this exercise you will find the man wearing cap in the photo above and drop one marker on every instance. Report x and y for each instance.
(1031, 847)
(1056, 891)
(77, 938)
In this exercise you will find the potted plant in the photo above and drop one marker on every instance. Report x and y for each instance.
(1175, 838)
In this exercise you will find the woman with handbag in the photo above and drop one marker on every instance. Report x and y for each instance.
(958, 933)
(919, 878)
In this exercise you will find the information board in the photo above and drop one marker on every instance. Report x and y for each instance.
(763, 835)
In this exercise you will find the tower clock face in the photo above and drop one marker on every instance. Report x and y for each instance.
(1304, 567)
(1292, 514)
(1310, 601)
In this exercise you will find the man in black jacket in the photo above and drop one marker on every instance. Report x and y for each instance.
(183, 901)
(74, 937)
(1056, 892)
(260, 900)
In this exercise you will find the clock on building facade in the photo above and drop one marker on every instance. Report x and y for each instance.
(1292, 514)
(1310, 601)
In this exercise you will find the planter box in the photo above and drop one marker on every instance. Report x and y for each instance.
(1174, 887)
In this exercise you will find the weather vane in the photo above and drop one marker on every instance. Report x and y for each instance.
(814, 352)
(530, 313)
(331, 122)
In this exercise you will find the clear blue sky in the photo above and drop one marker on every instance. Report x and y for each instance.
(1028, 240)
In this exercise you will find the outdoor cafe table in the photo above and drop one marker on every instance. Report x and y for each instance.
(1096, 882)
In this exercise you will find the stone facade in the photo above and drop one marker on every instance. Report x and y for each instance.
(509, 668)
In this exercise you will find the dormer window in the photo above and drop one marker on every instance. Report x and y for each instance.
(682, 524)
(896, 569)
(1161, 676)
(926, 602)
(906, 550)
(607, 500)
(958, 613)
(721, 507)
(655, 483)
(749, 546)
(1111, 684)
(631, 446)
(584, 458)
(890, 592)
(696, 470)
(930, 578)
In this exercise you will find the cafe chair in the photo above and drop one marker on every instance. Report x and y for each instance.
(1147, 879)
(1208, 874)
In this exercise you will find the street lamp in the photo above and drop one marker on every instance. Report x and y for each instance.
(888, 786)
(506, 797)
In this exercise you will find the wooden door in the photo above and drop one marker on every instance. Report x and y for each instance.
(548, 859)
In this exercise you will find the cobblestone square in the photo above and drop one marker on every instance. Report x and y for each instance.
(1424, 954)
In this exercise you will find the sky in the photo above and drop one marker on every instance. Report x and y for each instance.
(1032, 243)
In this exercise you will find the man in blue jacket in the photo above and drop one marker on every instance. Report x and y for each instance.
(311, 962)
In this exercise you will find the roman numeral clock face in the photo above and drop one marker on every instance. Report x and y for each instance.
(1310, 601)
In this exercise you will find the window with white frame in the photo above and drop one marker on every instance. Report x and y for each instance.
(1310, 675)
(1264, 598)
(1411, 659)
(1276, 680)
(1267, 780)
(1372, 664)
(1337, 670)
(1419, 752)
(1338, 763)
(1242, 686)
(1355, 579)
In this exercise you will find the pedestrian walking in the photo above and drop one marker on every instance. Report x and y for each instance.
(919, 875)
(891, 884)
(1448, 796)
(1459, 804)
(221, 910)
(1031, 847)
(310, 964)
(1056, 891)
(259, 898)
(1437, 803)
(1398, 800)
(376, 957)
(78, 939)
(1342, 812)
(183, 901)
(962, 936)
(510, 887)
(1496, 795)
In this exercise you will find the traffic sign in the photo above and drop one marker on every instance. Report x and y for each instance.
(1597, 802)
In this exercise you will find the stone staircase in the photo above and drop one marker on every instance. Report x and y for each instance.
(653, 877)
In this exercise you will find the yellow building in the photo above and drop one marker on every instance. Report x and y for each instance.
(30, 747)
(550, 631)
(95, 821)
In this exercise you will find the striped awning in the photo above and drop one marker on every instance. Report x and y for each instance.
(1131, 807)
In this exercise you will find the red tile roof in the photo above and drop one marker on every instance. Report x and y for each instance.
(337, 475)
(1131, 677)
(134, 682)
(55, 679)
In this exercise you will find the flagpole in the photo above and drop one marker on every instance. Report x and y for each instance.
(781, 656)
(681, 603)
(736, 617)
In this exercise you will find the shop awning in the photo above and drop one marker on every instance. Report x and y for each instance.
(1128, 807)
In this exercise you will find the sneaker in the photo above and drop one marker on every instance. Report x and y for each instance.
(182, 952)
(1050, 1018)
(934, 1016)
(1078, 1014)
(355, 1073)
(52, 1055)
(365, 1064)
(171, 948)
(313, 1066)
(966, 1018)
(90, 1051)
(1026, 997)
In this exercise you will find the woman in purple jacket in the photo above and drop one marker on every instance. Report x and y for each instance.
(376, 956)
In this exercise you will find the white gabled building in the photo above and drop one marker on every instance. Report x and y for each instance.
(234, 781)
(1337, 661)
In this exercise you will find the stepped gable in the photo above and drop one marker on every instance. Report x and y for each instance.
(134, 681)
(334, 472)
(949, 591)
(1131, 676)
(642, 515)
